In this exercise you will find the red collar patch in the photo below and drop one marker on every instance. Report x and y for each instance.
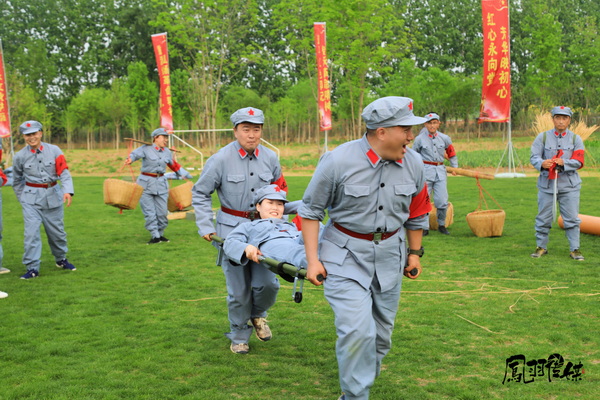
(373, 157)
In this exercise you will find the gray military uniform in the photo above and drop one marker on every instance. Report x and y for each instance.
(363, 193)
(276, 238)
(156, 188)
(42, 205)
(235, 175)
(548, 145)
(432, 149)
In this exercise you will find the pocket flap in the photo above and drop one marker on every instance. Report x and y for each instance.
(356, 190)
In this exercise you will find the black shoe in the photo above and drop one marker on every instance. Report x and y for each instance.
(442, 229)
(164, 239)
(425, 232)
(154, 241)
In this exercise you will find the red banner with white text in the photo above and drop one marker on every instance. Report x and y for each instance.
(4, 110)
(495, 92)
(161, 53)
(324, 101)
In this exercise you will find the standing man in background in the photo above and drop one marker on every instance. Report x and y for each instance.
(155, 160)
(374, 192)
(37, 168)
(434, 147)
(236, 172)
(558, 154)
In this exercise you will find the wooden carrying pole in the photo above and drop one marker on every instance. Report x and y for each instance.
(469, 173)
(148, 143)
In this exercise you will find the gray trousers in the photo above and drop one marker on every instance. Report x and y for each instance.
(251, 290)
(569, 210)
(154, 207)
(53, 220)
(440, 197)
(364, 321)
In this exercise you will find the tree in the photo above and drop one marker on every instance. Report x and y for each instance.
(116, 106)
(143, 95)
(85, 112)
(213, 40)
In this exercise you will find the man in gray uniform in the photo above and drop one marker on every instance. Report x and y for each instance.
(434, 147)
(270, 236)
(155, 160)
(236, 172)
(558, 154)
(36, 169)
(375, 192)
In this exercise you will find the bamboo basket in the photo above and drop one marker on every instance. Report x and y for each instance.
(486, 223)
(122, 194)
(433, 224)
(180, 197)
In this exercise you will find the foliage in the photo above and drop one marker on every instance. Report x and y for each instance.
(429, 50)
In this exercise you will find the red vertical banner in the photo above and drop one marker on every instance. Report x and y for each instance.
(324, 101)
(161, 53)
(495, 92)
(4, 110)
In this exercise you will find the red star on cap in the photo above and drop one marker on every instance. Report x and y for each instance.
(28, 125)
(430, 115)
(562, 107)
(251, 112)
(277, 189)
(410, 106)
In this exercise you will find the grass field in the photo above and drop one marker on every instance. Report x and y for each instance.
(147, 322)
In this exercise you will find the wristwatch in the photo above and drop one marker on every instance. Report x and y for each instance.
(419, 252)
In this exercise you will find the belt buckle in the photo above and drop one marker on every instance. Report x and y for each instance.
(252, 215)
(377, 237)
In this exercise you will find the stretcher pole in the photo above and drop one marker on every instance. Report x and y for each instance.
(281, 268)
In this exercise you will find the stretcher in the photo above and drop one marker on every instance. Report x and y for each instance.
(289, 272)
(297, 275)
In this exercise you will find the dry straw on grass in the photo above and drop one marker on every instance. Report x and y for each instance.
(543, 122)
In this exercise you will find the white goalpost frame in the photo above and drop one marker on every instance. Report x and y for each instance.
(173, 135)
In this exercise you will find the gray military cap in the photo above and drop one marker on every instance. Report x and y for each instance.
(562, 110)
(390, 111)
(248, 114)
(431, 116)
(271, 192)
(159, 132)
(28, 127)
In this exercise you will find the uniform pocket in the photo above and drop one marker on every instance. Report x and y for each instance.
(266, 177)
(234, 185)
(356, 196)
(357, 190)
(403, 196)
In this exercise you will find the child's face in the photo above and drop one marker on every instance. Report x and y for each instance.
(270, 208)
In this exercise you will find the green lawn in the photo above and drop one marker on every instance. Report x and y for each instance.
(147, 322)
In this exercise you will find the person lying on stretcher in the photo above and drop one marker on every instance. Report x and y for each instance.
(270, 236)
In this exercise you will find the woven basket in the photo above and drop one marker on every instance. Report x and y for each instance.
(433, 224)
(180, 197)
(122, 194)
(486, 223)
